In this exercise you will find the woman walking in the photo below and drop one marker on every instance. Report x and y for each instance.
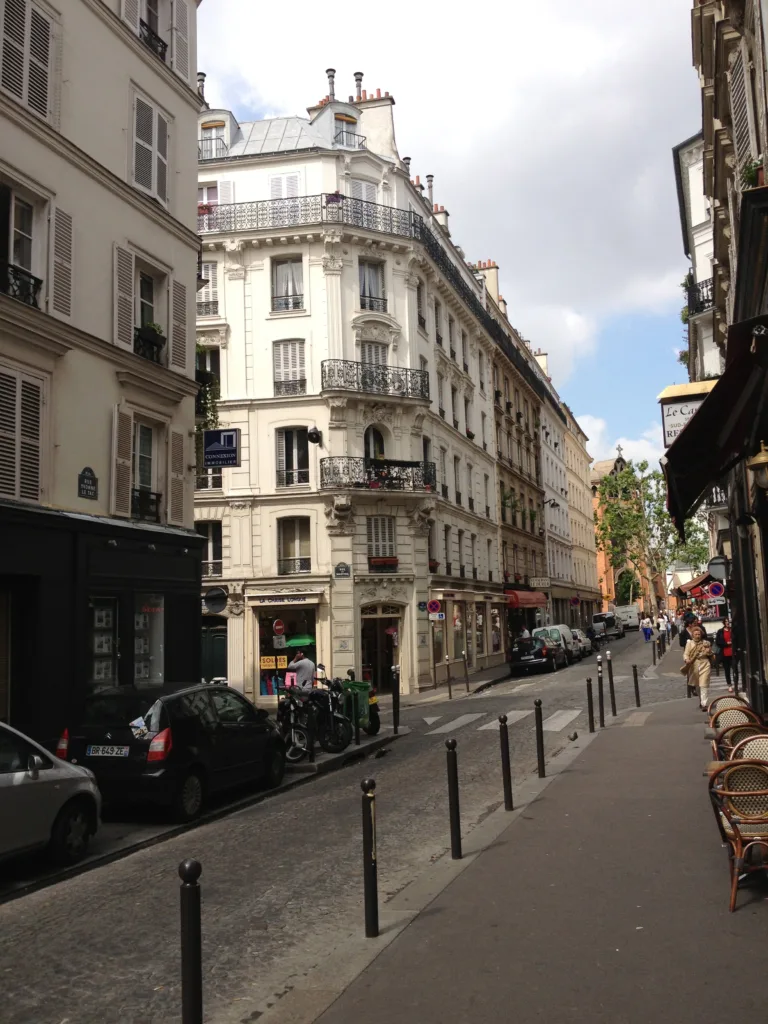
(647, 627)
(724, 642)
(697, 658)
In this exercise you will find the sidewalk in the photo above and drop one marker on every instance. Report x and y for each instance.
(606, 900)
(434, 696)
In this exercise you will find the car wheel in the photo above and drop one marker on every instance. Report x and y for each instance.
(71, 832)
(189, 797)
(276, 769)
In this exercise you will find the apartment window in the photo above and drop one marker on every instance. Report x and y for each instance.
(495, 378)
(292, 457)
(21, 234)
(212, 143)
(420, 305)
(447, 547)
(423, 364)
(27, 53)
(150, 148)
(486, 483)
(426, 449)
(460, 542)
(208, 375)
(440, 402)
(506, 389)
(454, 407)
(372, 286)
(489, 555)
(212, 560)
(444, 469)
(509, 445)
(438, 323)
(146, 310)
(451, 340)
(143, 456)
(374, 353)
(481, 370)
(208, 296)
(21, 427)
(457, 477)
(519, 454)
(381, 536)
(146, 299)
(504, 556)
(293, 551)
(498, 440)
(483, 424)
(531, 516)
(290, 375)
(467, 416)
(525, 415)
(373, 443)
(464, 352)
(470, 488)
(287, 285)
(473, 552)
(284, 186)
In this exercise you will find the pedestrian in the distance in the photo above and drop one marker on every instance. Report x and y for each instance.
(697, 660)
(724, 642)
(647, 627)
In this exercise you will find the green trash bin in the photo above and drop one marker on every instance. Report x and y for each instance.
(363, 691)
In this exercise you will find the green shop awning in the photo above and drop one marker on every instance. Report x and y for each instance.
(300, 641)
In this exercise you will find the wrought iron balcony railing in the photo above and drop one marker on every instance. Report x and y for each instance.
(700, 296)
(210, 308)
(292, 477)
(19, 284)
(285, 303)
(151, 39)
(285, 388)
(717, 498)
(145, 505)
(345, 138)
(211, 149)
(292, 566)
(400, 382)
(212, 569)
(148, 345)
(387, 474)
(374, 303)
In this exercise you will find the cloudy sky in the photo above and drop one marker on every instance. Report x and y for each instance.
(549, 128)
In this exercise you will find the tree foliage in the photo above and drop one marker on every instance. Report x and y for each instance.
(627, 587)
(636, 532)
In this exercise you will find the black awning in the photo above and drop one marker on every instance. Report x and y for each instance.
(727, 428)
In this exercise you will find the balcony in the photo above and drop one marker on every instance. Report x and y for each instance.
(145, 505)
(508, 407)
(291, 477)
(382, 563)
(326, 208)
(152, 40)
(285, 303)
(148, 344)
(700, 297)
(208, 308)
(19, 284)
(293, 566)
(287, 388)
(349, 139)
(211, 149)
(716, 499)
(374, 474)
(374, 303)
(212, 570)
(399, 382)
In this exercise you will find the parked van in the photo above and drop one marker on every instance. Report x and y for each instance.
(629, 615)
(613, 624)
(562, 635)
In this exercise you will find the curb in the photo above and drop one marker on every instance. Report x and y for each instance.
(333, 761)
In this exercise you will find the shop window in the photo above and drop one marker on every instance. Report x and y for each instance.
(496, 620)
(293, 555)
(103, 643)
(149, 640)
(459, 616)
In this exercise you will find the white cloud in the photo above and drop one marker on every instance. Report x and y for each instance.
(648, 447)
(548, 128)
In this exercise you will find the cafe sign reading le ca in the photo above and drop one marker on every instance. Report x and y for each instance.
(679, 404)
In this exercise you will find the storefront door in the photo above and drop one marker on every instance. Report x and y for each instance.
(214, 648)
(381, 640)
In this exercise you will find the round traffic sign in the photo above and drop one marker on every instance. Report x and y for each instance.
(434, 606)
(716, 589)
(278, 627)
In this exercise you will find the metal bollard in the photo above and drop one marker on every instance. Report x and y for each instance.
(637, 686)
(611, 690)
(448, 678)
(452, 764)
(506, 770)
(466, 670)
(539, 738)
(590, 706)
(191, 943)
(600, 694)
(395, 698)
(370, 884)
(356, 714)
(653, 648)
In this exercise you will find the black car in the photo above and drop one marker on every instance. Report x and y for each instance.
(536, 652)
(175, 748)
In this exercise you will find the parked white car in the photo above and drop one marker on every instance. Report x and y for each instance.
(585, 644)
(563, 636)
(44, 802)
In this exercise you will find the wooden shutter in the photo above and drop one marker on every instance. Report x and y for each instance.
(277, 360)
(122, 462)
(178, 325)
(25, 54)
(210, 293)
(161, 159)
(288, 358)
(129, 12)
(39, 62)
(291, 186)
(374, 352)
(280, 450)
(301, 373)
(180, 39)
(365, 190)
(226, 192)
(21, 414)
(381, 536)
(123, 297)
(276, 184)
(61, 265)
(13, 57)
(175, 503)
(143, 144)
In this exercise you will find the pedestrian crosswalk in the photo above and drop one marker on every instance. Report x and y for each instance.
(559, 720)
(554, 723)
(512, 717)
(456, 723)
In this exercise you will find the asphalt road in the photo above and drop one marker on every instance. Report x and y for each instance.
(282, 879)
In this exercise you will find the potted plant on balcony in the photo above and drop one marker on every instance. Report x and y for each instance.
(383, 561)
(334, 197)
(434, 565)
(471, 435)
(203, 209)
(151, 334)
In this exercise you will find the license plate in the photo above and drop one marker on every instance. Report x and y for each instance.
(102, 751)
(527, 657)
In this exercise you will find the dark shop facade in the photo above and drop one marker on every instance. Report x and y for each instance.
(88, 604)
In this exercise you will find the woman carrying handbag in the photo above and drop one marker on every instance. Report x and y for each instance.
(697, 663)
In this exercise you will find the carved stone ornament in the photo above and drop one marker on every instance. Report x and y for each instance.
(236, 602)
(378, 412)
(418, 423)
(240, 505)
(212, 337)
(234, 245)
(338, 410)
(421, 518)
(332, 264)
(340, 515)
(376, 327)
(234, 272)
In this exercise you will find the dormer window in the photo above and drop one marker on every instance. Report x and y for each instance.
(212, 143)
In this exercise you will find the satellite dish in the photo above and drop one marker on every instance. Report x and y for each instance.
(718, 567)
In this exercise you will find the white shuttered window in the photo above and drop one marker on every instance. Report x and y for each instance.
(61, 265)
(289, 367)
(180, 38)
(150, 149)
(381, 536)
(742, 106)
(21, 418)
(26, 51)
(210, 293)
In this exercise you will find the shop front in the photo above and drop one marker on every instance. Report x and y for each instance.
(88, 604)
(469, 634)
(282, 626)
(381, 634)
(526, 609)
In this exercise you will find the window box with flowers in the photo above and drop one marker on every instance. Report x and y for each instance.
(434, 565)
(471, 435)
(387, 563)
(203, 209)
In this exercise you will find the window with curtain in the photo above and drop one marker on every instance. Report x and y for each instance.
(373, 443)
(372, 286)
(287, 285)
(292, 457)
(290, 375)
(293, 552)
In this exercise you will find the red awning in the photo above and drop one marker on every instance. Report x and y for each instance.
(526, 599)
(695, 583)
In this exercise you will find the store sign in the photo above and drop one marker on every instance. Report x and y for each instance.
(539, 582)
(221, 448)
(675, 415)
(283, 599)
(282, 661)
(265, 663)
(87, 484)
(342, 571)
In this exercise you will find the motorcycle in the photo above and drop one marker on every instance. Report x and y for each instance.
(290, 713)
(332, 728)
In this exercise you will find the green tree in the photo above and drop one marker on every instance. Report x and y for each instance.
(636, 532)
(627, 587)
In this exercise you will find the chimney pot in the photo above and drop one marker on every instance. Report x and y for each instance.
(351, 99)
(365, 94)
(436, 208)
(386, 94)
(378, 94)
(358, 83)
(407, 162)
(442, 209)
(331, 72)
(418, 180)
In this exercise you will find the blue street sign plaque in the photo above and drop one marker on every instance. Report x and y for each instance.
(221, 448)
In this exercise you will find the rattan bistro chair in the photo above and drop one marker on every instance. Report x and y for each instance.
(721, 703)
(739, 794)
(752, 748)
(727, 738)
(734, 716)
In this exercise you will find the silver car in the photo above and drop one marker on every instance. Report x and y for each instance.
(44, 802)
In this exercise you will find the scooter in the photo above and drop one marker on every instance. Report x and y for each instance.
(374, 721)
